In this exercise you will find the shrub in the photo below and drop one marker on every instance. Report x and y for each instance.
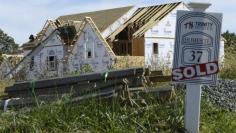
(228, 70)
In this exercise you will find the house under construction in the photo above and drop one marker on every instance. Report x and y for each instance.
(102, 40)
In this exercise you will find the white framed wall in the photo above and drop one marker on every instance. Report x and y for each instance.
(100, 60)
(38, 65)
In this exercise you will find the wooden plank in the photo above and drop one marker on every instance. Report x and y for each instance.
(23, 102)
(156, 73)
(80, 89)
(92, 77)
(138, 47)
(160, 78)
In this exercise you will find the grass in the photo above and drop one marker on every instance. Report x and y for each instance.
(93, 116)
(114, 116)
(217, 120)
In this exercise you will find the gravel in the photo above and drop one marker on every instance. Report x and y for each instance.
(224, 94)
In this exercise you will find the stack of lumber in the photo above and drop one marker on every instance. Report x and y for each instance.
(107, 84)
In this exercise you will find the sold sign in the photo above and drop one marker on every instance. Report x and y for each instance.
(196, 55)
(194, 71)
(196, 47)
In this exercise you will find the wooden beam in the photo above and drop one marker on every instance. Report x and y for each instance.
(156, 73)
(92, 77)
(148, 15)
(155, 19)
(160, 78)
(151, 20)
(158, 19)
(117, 31)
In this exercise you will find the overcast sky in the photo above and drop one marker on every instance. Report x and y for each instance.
(20, 18)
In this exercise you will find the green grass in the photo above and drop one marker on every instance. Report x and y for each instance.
(114, 116)
(217, 120)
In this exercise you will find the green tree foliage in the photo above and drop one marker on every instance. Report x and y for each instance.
(230, 42)
(229, 69)
(7, 44)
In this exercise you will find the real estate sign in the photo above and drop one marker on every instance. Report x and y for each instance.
(197, 47)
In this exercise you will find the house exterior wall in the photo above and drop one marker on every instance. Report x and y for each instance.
(221, 55)
(88, 40)
(52, 47)
(48, 31)
(165, 52)
(163, 33)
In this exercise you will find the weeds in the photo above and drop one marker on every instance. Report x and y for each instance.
(97, 115)
(94, 116)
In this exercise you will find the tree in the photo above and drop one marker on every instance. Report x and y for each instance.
(229, 69)
(230, 42)
(7, 44)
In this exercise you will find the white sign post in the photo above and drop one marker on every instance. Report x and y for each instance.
(196, 56)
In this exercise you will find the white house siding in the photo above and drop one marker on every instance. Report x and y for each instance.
(89, 41)
(163, 33)
(165, 51)
(221, 55)
(52, 47)
(48, 31)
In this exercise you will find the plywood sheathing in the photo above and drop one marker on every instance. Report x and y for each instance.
(103, 18)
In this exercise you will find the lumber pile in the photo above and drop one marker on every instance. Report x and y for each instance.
(107, 84)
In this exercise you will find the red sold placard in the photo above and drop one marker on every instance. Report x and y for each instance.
(191, 72)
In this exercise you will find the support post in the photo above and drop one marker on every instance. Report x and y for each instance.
(192, 108)
(193, 91)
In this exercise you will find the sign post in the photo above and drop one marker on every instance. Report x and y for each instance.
(196, 56)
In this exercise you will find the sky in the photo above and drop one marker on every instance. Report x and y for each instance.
(20, 18)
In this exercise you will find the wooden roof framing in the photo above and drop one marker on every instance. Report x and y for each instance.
(145, 18)
(137, 15)
(160, 13)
